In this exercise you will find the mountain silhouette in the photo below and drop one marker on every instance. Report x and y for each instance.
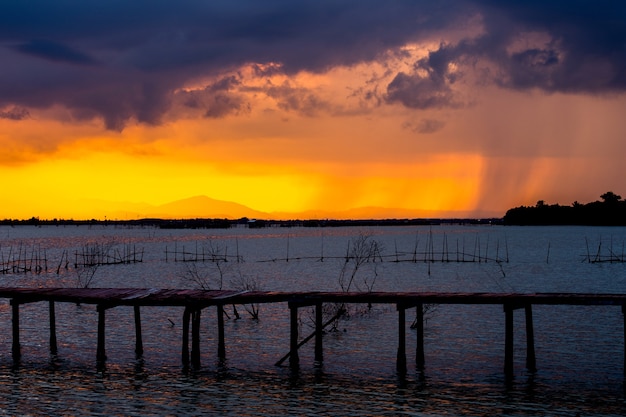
(204, 207)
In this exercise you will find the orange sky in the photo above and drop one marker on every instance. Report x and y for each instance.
(329, 139)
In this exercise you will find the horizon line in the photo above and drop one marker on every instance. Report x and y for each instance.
(241, 220)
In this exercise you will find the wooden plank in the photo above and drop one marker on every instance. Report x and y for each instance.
(221, 344)
(53, 328)
(531, 361)
(294, 358)
(319, 334)
(100, 349)
(182, 297)
(401, 355)
(508, 341)
(16, 351)
(419, 330)
(138, 335)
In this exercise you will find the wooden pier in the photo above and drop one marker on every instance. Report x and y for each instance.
(194, 301)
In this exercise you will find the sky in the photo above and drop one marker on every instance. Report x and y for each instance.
(438, 108)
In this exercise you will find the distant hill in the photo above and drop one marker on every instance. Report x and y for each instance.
(204, 207)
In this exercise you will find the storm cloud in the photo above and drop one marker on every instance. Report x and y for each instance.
(123, 61)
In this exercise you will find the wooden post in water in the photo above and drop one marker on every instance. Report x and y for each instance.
(195, 338)
(419, 327)
(138, 337)
(185, 352)
(100, 350)
(16, 351)
(624, 317)
(319, 332)
(508, 341)
(221, 345)
(401, 358)
(53, 329)
(531, 361)
(294, 358)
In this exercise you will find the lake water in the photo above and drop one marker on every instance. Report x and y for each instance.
(580, 350)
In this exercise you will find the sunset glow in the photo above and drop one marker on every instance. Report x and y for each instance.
(426, 121)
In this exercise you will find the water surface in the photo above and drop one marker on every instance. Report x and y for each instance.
(580, 350)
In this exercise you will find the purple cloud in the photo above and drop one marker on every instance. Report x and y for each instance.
(123, 61)
(15, 113)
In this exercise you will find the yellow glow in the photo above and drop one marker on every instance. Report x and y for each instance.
(154, 166)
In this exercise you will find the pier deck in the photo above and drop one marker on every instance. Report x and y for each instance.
(206, 298)
(194, 301)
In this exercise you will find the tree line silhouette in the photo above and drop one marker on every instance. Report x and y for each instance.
(611, 211)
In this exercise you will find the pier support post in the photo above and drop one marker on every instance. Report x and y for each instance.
(185, 352)
(319, 332)
(16, 351)
(138, 337)
(508, 341)
(53, 329)
(624, 316)
(221, 344)
(195, 338)
(401, 357)
(531, 361)
(419, 327)
(294, 358)
(100, 350)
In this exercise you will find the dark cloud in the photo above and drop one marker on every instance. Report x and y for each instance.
(141, 52)
(15, 113)
(54, 52)
(221, 105)
(300, 100)
(582, 47)
(415, 91)
(568, 47)
(427, 126)
(429, 86)
(216, 100)
(124, 60)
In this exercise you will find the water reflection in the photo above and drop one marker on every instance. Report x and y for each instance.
(150, 391)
